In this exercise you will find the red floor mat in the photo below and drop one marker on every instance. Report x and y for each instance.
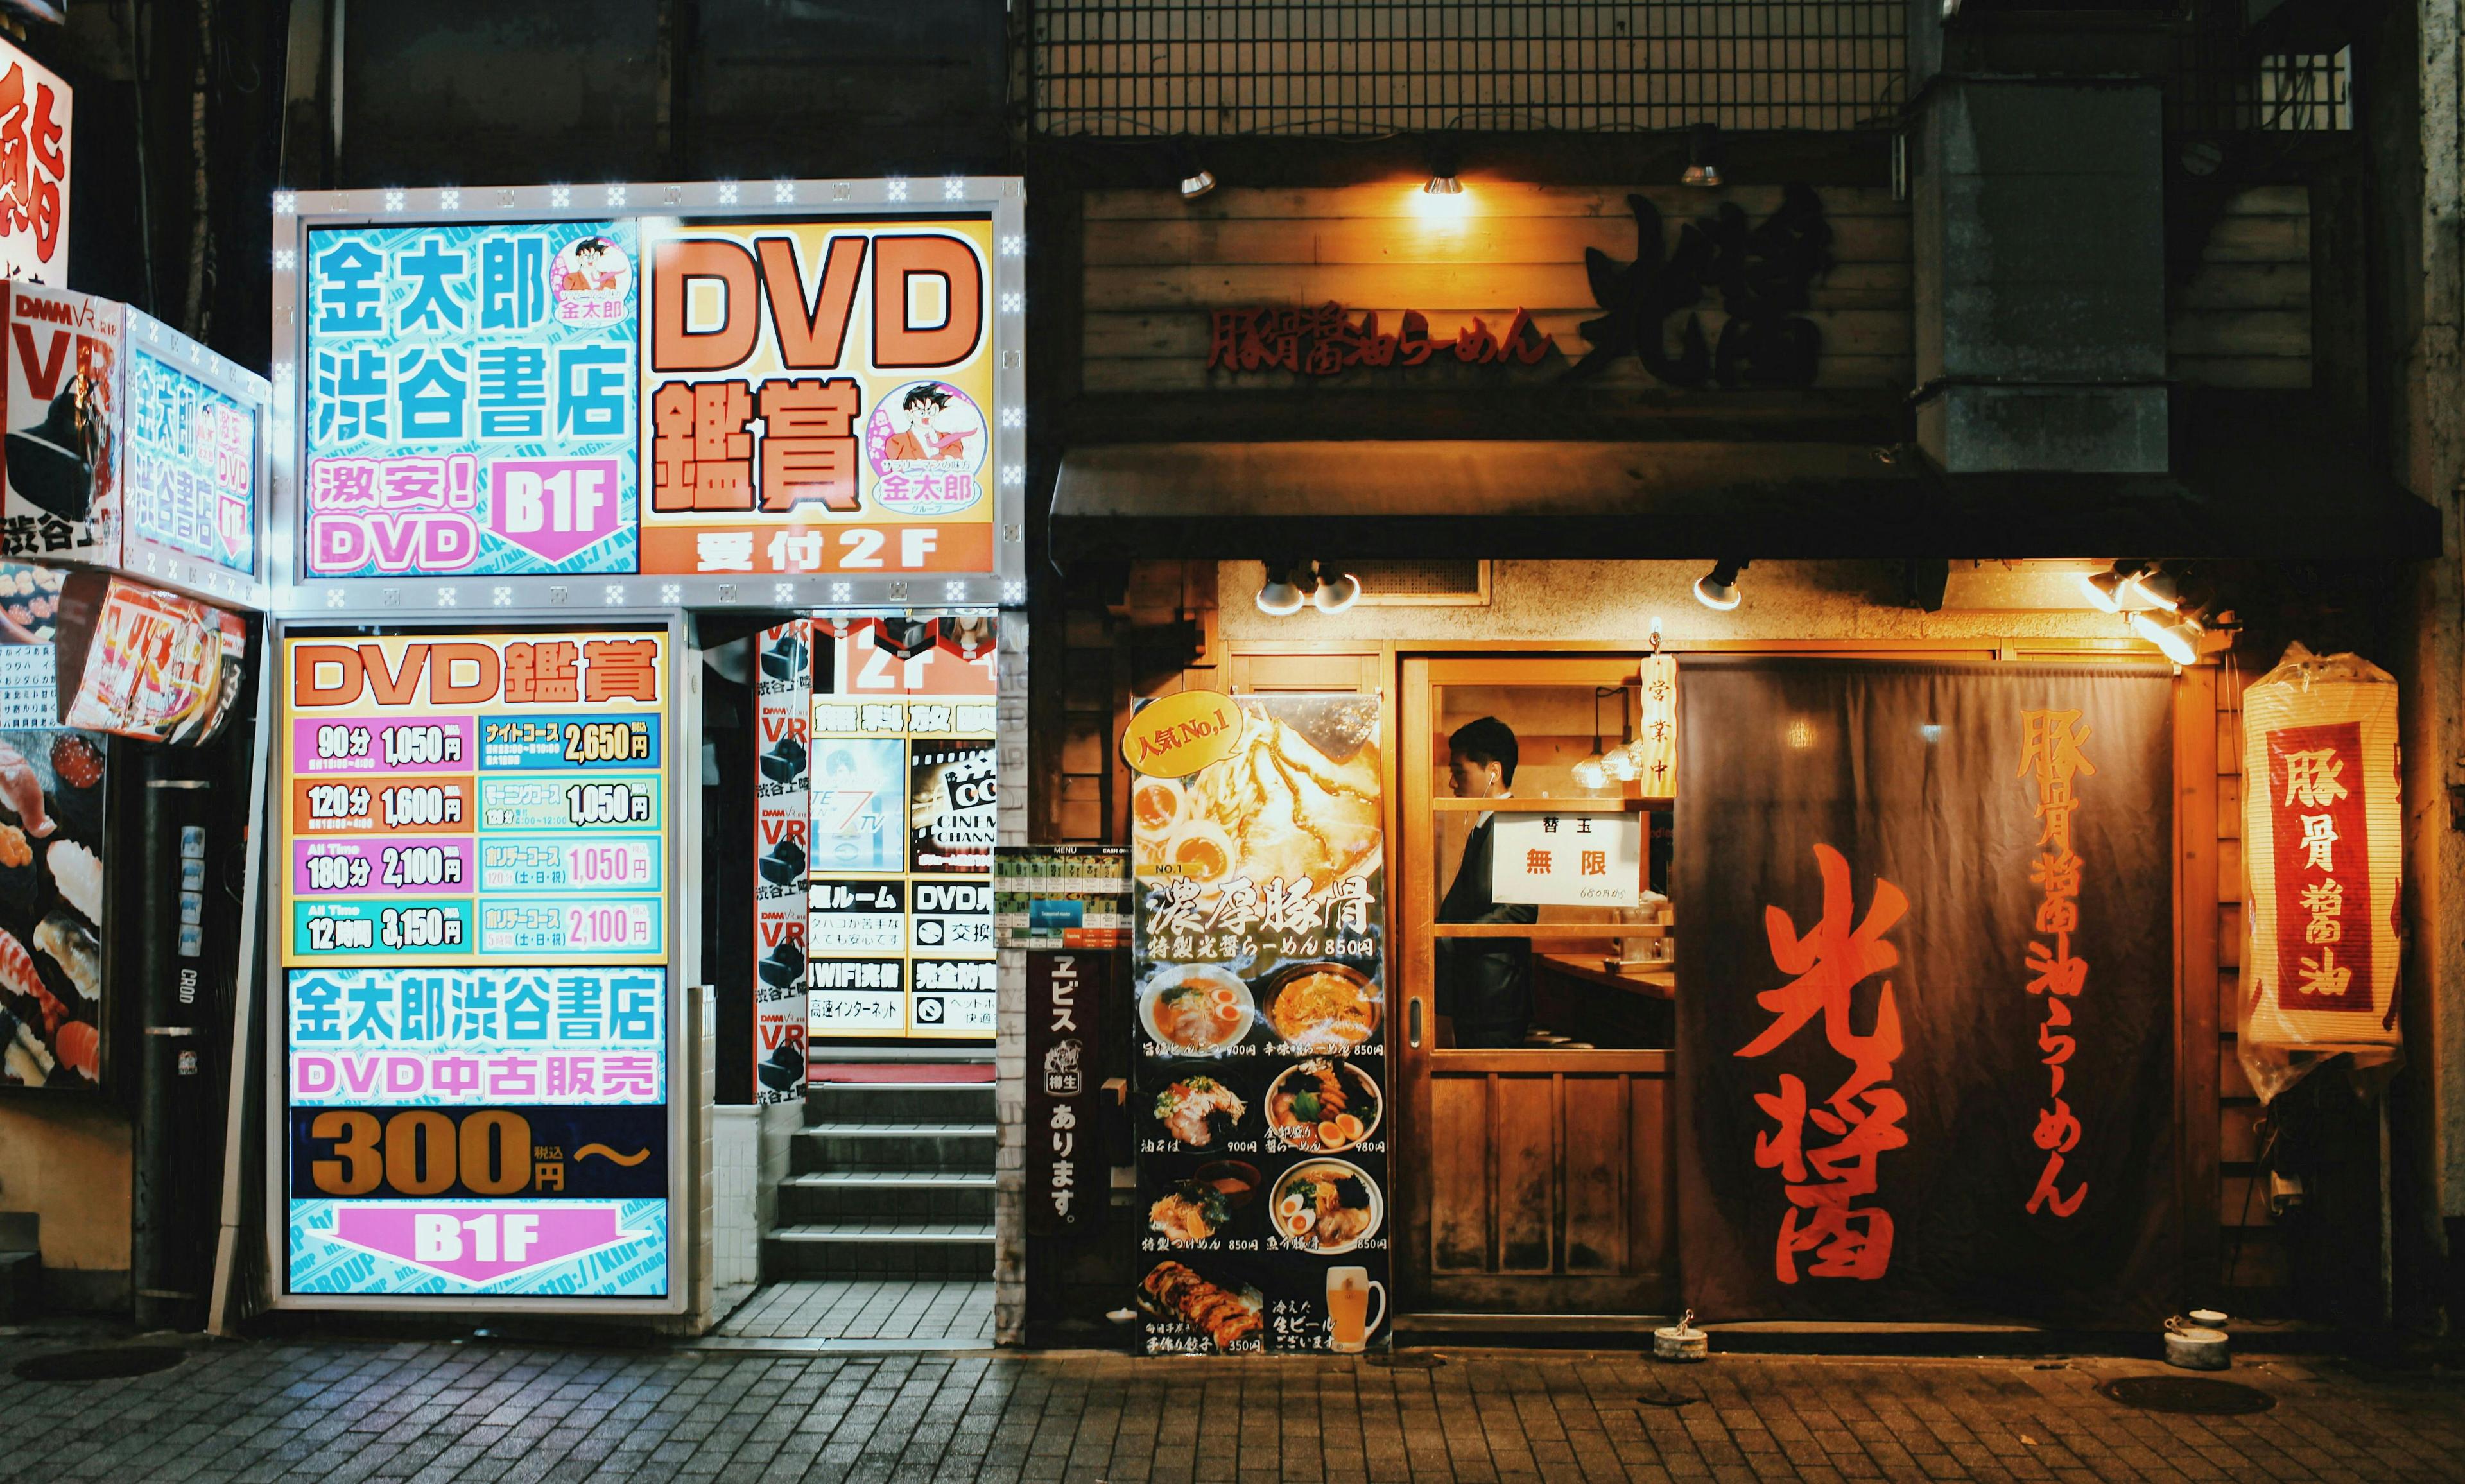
(899, 1072)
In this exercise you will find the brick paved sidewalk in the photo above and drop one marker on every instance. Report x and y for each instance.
(344, 1412)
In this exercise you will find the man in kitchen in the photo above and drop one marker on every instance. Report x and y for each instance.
(1484, 985)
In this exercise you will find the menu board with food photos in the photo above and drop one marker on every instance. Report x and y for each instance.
(1260, 1090)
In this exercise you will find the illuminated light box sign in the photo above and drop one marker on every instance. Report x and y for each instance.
(464, 798)
(478, 1055)
(861, 352)
(470, 399)
(129, 445)
(477, 1132)
(36, 111)
(806, 392)
(904, 793)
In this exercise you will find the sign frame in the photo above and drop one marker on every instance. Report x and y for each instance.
(1002, 199)
(681, 715)
(144, 558)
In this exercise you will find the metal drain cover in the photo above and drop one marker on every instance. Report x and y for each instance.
(1406, 1360)
(2193, 1395)
(108, 1363)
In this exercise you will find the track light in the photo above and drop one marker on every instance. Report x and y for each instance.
(2178, 638)
(2104, 590)
(1718, 588)
(1280, 597)
(2152, 586)
(1336, 590)
(1196, 179)
(1442, 170)
(1702, 156)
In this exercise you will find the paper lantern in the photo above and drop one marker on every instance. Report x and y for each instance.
(2323, 861)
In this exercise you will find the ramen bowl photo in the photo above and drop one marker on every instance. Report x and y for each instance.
(1322, 1007)
(1198, 1010)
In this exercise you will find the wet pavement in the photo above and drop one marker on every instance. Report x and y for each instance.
(342, 1411)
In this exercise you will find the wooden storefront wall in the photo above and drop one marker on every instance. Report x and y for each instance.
(2228, 1244)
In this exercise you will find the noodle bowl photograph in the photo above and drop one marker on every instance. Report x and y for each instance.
(1196, 1009)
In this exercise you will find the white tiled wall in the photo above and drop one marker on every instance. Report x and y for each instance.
(735, 1179)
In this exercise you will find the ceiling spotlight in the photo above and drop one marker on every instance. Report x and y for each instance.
(2152, 586)
(1195, 178)
(1702, 156)
(1718, 588)
(2103, 589)
(2179, 637)
(1280, 597)
(1442, 171)
(1336, 590)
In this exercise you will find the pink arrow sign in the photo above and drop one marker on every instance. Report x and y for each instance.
(480, 1244)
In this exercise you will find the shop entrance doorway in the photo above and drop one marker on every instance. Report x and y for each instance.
(1536, 1176)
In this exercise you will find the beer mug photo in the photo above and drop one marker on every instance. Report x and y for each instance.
(1349, 1321)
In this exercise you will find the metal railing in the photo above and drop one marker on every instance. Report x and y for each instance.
(1208, 67)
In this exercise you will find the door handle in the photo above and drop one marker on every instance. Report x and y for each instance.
(1412, 1020)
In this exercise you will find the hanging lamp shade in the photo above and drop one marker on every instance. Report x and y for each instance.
(2322, 864)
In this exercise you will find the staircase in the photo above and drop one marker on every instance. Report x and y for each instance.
(888, 1180)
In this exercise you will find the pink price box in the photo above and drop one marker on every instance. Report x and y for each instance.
(383, 744)
(368, 868)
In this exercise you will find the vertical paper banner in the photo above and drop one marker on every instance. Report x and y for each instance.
(783, 693)
(1260, 1094)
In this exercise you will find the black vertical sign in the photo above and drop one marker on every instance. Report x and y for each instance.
(1260, 1092)
(1925, 992)
(1068, 1176)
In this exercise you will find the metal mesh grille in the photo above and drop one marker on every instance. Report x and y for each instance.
(2217, 88)
(1403, 584)
(1218, 67)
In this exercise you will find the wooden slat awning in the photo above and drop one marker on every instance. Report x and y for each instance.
(1773, 500)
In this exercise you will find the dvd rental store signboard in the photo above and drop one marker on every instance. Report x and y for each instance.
(785, 393)
(474, 868)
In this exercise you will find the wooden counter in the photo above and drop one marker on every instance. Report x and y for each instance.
(1660, 982)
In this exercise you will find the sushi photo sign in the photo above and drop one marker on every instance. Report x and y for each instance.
(1259, 1094)
(479, 1090)
(52, 834)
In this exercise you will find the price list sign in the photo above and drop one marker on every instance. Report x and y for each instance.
(474, 924)
(1259, 1089)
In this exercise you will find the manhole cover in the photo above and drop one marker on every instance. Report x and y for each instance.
(2191, 1394)
(105, 1364)
(1406, 1360)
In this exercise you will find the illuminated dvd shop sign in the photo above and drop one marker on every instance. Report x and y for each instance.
(472, 915)
(805, 393)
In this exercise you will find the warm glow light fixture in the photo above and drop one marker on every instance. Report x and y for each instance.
(1279, 597)
(2152, 586)
(2177, 637)
(1718, 588)
(2105, 588)
(1196, 179)
(1293, 586)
